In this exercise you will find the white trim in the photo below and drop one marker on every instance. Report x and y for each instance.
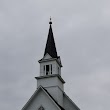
(51, 59)
(52, 75)
(46, 55)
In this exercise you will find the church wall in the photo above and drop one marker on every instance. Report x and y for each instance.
(41, 99)
(56, 68)
(61, 85)
(50, 81)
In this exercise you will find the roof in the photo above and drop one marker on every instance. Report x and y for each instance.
(70, 100)
(53, 99)
(29, 101)
(50, 45)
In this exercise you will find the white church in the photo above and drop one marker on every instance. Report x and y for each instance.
(50, 94)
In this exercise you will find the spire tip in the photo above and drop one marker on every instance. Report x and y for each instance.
(50, 21)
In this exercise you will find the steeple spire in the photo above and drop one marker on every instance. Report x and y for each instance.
(50, 21)
(50, 45)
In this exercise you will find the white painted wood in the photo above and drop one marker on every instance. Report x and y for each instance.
(47, 56)
(50, 82)
(41, 99)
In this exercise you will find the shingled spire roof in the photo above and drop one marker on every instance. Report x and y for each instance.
(50, 45)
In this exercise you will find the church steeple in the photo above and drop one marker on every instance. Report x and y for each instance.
(50, 93)
(50, 63)
(50, 45)
(50, 69)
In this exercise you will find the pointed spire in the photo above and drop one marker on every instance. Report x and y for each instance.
(50, 21)
(50, 45)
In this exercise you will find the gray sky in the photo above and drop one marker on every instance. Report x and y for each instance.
(82, 34)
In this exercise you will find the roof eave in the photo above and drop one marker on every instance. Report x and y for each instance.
(51, 59)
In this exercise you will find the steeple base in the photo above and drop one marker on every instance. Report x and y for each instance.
(50, 81)
(54, 85)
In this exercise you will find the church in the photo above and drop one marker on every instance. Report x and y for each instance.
(50, 94)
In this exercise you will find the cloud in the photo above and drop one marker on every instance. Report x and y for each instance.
(81, 31)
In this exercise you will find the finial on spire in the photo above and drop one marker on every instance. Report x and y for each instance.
(50, 21)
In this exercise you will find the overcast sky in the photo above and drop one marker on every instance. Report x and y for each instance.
(82, 35)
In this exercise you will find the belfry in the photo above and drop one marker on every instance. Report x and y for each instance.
(50, 94)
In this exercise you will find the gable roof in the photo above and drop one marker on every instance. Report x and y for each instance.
(70, 100)
(45, 91)
(50, 45)
(53, 99)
